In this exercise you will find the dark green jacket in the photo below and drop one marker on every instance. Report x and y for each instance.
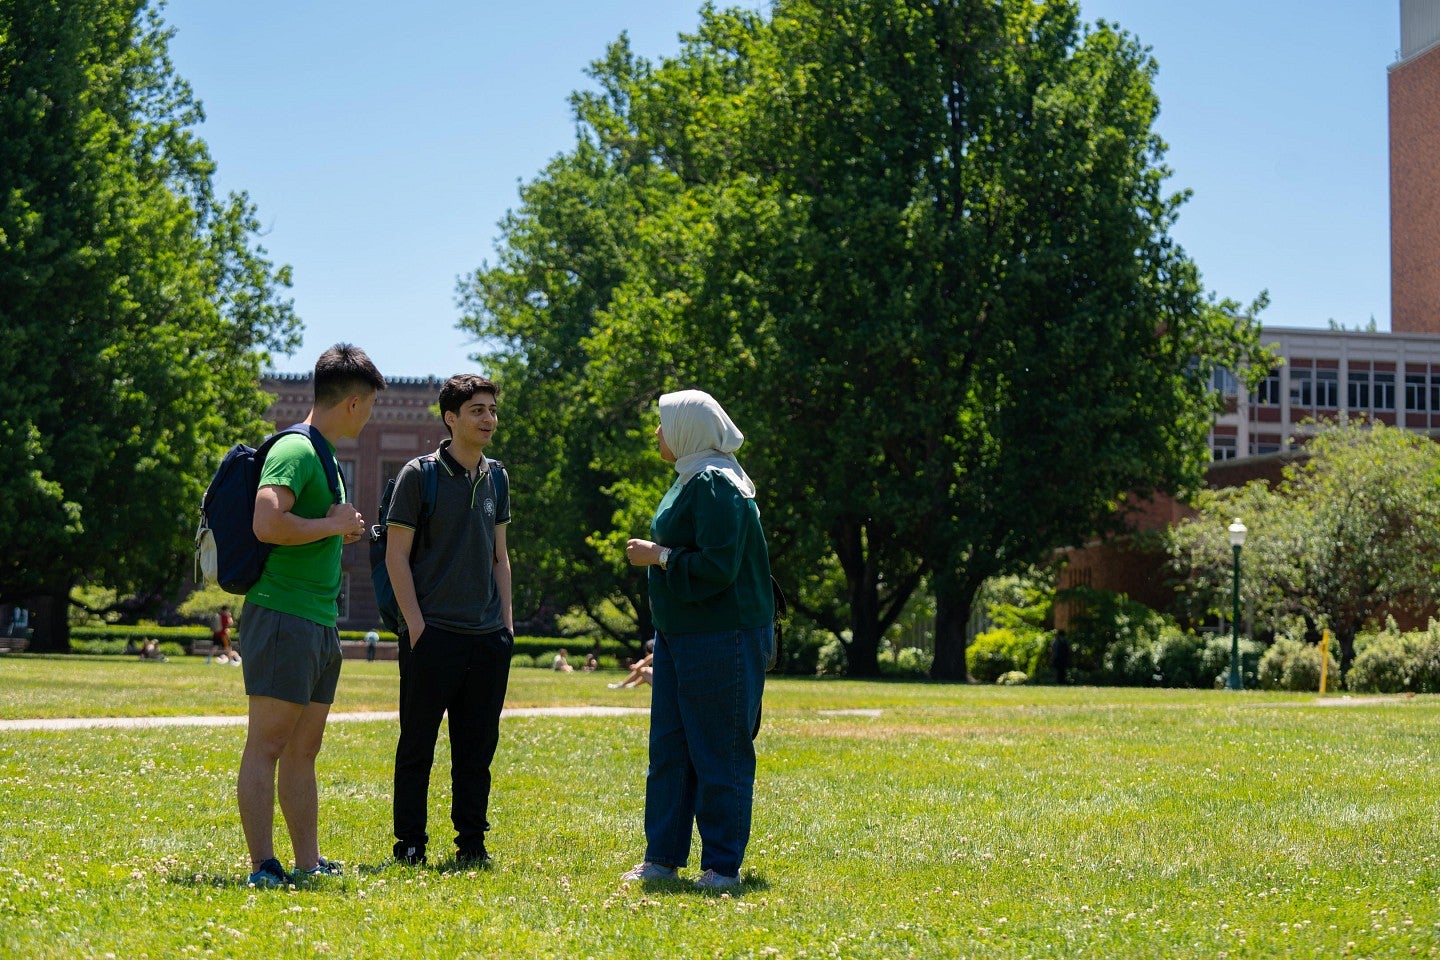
(718, 574)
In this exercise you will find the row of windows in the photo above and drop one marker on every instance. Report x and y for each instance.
(1363, 390)
(1224, 448)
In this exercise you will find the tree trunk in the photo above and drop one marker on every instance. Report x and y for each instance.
(50, 621)
(1346, 637)
(862, 589)
(863, 655)
(952, 615)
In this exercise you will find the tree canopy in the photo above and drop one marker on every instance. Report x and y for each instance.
(136, 307)
(919, 250)
(1352, 530)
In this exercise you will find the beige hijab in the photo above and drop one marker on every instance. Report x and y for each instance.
(702, 437)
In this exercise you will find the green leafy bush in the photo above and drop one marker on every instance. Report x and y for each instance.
(1112, 637)
(831, 660)
(907, 662)
(1014, 678)
(1216, 663)
(999, 651)
(1382, 666)
(1395, 662)
(1293, 665)
(1179, 659)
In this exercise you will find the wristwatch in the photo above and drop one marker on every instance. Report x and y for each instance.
(664, 557)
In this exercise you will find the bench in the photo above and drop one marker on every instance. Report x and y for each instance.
(13, 644)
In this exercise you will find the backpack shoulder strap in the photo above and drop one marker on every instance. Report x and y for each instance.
(430, 486)
(322, 450)
(500, 478)
(429, 493)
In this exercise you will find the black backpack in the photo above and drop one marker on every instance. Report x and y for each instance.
(385, 600)
(226, 549)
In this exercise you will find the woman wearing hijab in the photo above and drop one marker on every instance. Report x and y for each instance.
(711, 601)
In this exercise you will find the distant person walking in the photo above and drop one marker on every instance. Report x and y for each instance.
(713, 608)
(223, 623)
(292, 649)
(452, 582)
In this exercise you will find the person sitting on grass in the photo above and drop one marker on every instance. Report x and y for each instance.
(639, 674)
(562, 662)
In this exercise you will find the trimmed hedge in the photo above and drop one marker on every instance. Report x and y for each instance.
(111, 638)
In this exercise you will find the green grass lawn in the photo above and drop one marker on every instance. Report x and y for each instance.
(958, 822)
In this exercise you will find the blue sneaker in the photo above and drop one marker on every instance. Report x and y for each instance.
(323, 870)
(269, 876)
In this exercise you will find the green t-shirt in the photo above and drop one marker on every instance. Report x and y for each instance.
(302, 580)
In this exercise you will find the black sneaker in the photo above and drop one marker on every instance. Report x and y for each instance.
(269, 876)
(473, 859)
(410, 854)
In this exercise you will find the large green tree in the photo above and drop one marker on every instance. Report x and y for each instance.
(136, 309)
(1351, 531)
(921, 250)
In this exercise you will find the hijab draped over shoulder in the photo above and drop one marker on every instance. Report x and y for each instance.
(702, 437)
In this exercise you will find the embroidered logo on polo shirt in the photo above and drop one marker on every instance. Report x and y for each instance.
(490, 508)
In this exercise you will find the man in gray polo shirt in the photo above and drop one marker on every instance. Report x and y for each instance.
(451, 574)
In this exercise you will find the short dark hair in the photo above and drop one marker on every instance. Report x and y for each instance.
(460, 388)
(342, 370)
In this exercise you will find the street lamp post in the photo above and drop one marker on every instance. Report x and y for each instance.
(1237, 540)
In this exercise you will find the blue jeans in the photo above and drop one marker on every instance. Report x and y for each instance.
(703, 714)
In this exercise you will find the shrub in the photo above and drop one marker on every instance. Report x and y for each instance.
(915, 662)
(1392, 662)
(1381, 667)
(831, 660)
(1111, 636)
(992, 654)
(1271, 671)
(1215, 663)
(799, 650)
(1179, 659)
(907, 662)
(1012, 678)
(1292, 665)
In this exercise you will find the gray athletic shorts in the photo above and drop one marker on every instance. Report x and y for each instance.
(288, 657)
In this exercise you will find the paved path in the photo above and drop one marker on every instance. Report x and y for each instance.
(93, 723)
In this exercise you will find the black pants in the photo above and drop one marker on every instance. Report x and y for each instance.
(463, 675)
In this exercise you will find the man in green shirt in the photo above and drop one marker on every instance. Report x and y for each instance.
(292, 648)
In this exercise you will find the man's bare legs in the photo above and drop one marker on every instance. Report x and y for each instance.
(286, 736)
(299, 801)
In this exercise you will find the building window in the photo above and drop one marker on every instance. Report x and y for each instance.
(1222, 448)
(1267, 391)
(1415, 392)
(1359, 393)
(1223, 382)
(1327, 389)
(1302, 389)
(1384, 394)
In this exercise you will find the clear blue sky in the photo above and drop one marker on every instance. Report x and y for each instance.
(383, 142)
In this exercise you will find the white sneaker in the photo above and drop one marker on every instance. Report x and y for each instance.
(650, 871)
(710, 880)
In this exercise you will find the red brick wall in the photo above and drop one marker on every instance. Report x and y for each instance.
(1415, 194)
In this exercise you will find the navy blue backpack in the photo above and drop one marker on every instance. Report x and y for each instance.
(226, 549)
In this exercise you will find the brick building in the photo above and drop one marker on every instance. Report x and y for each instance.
(1414, 88)
(402, 427)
